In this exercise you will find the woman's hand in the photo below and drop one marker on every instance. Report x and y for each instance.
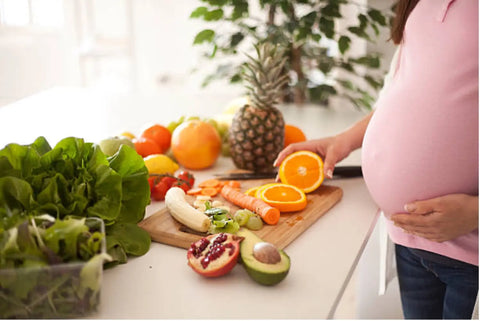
(440, 219)
(331, 150)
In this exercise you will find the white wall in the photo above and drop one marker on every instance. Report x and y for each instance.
(30, 63)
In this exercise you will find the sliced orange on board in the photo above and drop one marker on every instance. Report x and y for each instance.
(251, 191)
(303, 169)
(284, 197)
(260, 189)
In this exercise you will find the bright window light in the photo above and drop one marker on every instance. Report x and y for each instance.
(15, 12)
(48, 13)
(39, 13)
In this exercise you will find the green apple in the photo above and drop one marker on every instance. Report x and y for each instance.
(110, 146)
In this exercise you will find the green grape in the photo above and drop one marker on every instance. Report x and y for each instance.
(174, 124)
(171, 126)
(254, 223)
(181, 120)
(223, 226)
(193, 118)
(212, 122)
(231, 227)
(241, 217)
(219, 223)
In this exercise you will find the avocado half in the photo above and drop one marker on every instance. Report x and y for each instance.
(266, 274)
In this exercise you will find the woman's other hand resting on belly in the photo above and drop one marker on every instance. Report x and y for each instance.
(440, 219)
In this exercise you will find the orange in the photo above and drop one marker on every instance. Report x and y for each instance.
(284, 197)
(261, 188)
(160, 135)
(303, 169)
(251, 191)
(145, 146)
(293, 134)
(196, 144)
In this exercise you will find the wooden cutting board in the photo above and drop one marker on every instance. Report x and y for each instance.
(163, 228)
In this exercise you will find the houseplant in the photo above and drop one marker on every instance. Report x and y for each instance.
(319, 62)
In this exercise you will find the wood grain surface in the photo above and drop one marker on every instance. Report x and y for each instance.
(163, 228)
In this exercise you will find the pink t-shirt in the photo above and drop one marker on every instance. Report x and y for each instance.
(422, 141)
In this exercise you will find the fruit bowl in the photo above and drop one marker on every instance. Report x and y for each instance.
(64, 290)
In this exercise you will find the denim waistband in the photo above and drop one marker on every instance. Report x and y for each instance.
(440, 259)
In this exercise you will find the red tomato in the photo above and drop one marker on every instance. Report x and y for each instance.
(160, 135)
(159, 190)
(222, 248)
(151, 182)
(169, 180)
(146, 146)
(182, 185)
(187, 177)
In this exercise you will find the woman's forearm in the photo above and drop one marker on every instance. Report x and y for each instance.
(353, 136)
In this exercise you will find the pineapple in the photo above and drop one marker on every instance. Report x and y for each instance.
(257, 131)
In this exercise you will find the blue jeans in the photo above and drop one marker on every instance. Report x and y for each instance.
(433, 286)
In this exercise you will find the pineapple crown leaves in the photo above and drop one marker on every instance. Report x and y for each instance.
(264, 75)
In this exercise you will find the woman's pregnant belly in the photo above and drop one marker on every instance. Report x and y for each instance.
(419, 146)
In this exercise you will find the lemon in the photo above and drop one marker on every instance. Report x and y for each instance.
(128, 135)
(160, 164)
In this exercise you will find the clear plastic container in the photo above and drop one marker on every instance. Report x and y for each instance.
(59, 291)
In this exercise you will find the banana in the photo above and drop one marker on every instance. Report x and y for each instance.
(183, 212)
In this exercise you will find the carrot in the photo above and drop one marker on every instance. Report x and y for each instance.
(234, 184)
(269, 214)
(210, 191)
(212, 182)
(194, 191)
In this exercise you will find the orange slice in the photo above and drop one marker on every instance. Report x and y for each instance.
(211, 182)
(303, 169)
(251, 191)
(284, 197)
(261, 188)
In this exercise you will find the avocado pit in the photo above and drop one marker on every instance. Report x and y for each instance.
(266, 253)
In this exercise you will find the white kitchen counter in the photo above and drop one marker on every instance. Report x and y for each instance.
(160, 285)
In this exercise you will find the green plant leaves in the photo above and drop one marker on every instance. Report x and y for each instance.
(331, 10)
(199, 12)
(343, 44)
(369, 61)
(327, 26)
(206, 35)
(377, 16)
(203, 12)
(213, 15)
(236, 38)
(308, 29)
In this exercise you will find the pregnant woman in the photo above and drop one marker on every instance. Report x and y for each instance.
(420, 156)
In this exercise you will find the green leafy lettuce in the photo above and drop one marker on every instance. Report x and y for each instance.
(77, 178)
(51, 268)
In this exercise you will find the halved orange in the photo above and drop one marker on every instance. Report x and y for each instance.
(261, 188)
(284, 197)
(303, 169)
(251, 191)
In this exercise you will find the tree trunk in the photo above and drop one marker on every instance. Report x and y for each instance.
(299, 91)
(271, 14)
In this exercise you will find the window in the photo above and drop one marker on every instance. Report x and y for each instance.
(31, 13)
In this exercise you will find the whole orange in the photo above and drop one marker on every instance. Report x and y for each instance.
(160, 134)
(196, 144)
(293, 134)
(146, 146)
